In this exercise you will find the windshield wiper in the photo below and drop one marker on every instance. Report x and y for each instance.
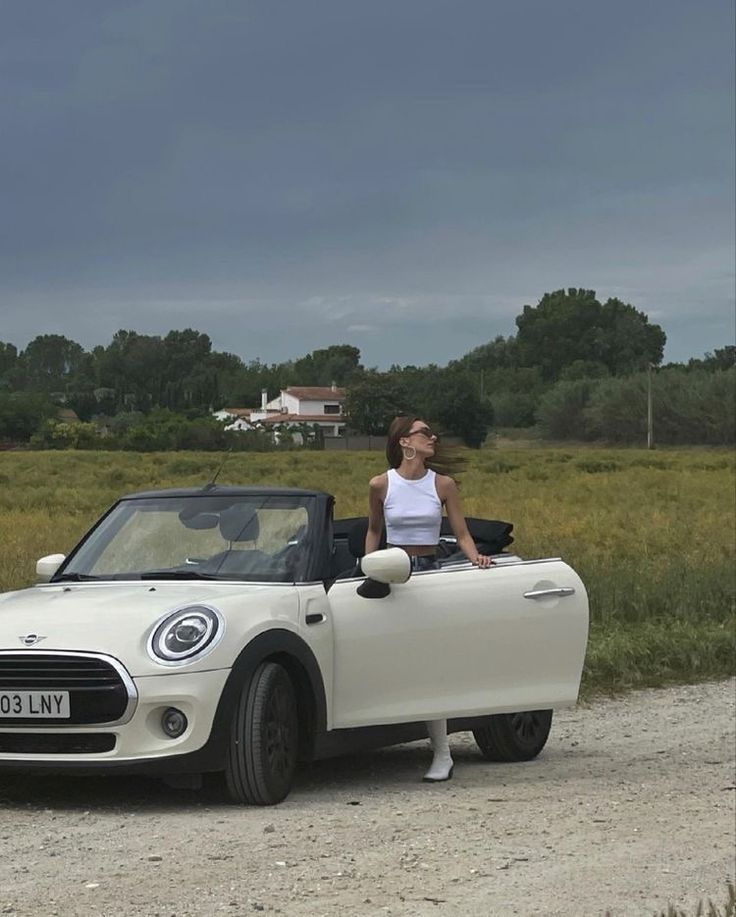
(177, 574)
(73, 578)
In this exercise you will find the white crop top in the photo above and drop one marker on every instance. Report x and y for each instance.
(412, 510)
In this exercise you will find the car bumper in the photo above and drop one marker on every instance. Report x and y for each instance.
(138, 745)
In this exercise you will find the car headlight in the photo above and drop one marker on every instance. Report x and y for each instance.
(186, 634)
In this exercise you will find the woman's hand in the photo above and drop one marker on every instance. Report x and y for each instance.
(448, 493)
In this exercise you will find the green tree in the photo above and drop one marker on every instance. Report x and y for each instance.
(458, 409)
(561, 411)
(22, 413)
(8, 359)
(584, 369)
(720, 358)
(499, 354)
(339, 363)
(571, 326)
(689, 407)
(373, 402)
(84, 404)
(51, 363)
(189, 380)
(134, 365)
(514, 394)
(625, 342)
(227, 369)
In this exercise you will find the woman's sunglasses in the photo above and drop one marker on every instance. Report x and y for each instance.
(425, 431)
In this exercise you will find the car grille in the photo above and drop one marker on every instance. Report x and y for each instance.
(23, 743)
(97, 692)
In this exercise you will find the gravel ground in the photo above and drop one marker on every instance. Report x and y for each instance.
(630, 806)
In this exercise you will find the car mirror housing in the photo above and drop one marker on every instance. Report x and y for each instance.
(48, 565)
(392, 565)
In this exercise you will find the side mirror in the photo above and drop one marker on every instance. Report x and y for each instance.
(47, 566)
(392, 565)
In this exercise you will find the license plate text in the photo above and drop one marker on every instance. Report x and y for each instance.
(29, 704)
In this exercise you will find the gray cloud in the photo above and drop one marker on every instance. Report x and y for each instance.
(400, 176)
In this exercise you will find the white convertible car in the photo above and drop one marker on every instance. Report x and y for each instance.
(232, 630)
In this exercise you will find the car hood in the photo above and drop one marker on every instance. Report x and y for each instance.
(117, 618)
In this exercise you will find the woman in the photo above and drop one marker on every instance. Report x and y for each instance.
(408, 499)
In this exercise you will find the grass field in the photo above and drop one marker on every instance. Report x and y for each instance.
(651, 533)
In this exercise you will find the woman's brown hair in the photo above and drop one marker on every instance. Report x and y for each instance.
(400, 426)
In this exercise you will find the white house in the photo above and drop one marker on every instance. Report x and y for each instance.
(310, 404)
(239, 418)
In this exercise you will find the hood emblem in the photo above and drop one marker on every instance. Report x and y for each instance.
(31, 639)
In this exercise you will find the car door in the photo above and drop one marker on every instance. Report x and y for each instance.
(459, 642)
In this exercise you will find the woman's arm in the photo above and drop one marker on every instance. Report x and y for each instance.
(450, 496)
(376, 496)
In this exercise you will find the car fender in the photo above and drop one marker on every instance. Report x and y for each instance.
(291, 651)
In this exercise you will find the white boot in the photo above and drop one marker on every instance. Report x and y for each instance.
(441, 767)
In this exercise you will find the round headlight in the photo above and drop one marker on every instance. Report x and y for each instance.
(186, 634)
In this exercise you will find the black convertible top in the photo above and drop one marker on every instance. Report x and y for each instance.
(490, 535)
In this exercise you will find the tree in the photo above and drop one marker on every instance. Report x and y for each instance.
(625, 341)
(134, 366)
(186, 375)
(373, 402)
(84, 404)
(227, 369)
(720, 358)
(8, 358)
(570, 326)
(50, 363)
(339, 363)
(22, 413)
(689, 407)
(458, 409)
(245, 387)
(561, 411)
(499, 354)
(514, 394)
(694, 406)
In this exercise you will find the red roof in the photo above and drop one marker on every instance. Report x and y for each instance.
(316, 392)
(239, 412)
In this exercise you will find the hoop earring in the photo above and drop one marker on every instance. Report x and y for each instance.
(406, 450)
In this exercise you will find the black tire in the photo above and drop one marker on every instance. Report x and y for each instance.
(514, 736)
(264, 739)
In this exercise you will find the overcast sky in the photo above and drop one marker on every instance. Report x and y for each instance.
(401, 175)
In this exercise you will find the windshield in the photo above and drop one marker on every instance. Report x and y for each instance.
(251, 537)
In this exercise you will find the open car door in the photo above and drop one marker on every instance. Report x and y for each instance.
(459, 641)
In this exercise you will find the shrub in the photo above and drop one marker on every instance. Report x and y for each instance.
(514, 409)
(561, 412)
(22, 413)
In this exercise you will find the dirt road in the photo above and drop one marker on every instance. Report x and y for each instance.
(631, 805)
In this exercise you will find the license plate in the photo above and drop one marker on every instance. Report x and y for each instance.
(30, 704)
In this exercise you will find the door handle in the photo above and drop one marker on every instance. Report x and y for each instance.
(317, 618)
(543, 593)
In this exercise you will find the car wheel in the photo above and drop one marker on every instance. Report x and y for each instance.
(264, 734)
(513, 736)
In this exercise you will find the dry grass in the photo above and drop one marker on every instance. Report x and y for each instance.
(651, 534)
